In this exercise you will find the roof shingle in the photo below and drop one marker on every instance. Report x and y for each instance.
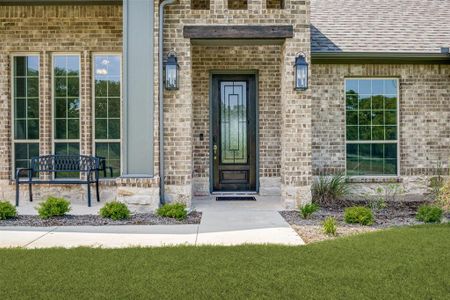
(401, 26)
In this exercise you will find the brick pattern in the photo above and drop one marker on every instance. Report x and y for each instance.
(5, 117)
(138, 182)
(264, 59)
(424, 115)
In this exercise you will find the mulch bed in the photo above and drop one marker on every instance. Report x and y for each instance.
(95, 220)
(310, 230)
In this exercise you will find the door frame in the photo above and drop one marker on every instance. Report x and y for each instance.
(211, 155)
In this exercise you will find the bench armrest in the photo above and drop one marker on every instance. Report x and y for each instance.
(28, 170)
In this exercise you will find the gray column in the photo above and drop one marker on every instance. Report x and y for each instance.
(138, 88)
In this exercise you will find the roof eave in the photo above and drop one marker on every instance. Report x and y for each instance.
(379, 58)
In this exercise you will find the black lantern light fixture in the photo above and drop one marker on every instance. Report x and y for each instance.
(171, 70)
(301, 72)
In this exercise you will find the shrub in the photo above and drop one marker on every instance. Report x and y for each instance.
(330, 191)
(175, 210)
(358, 214)
(443, 197)
(308, 209)
(329, 226)
(429, 214)
(115, 210)
(7, 210)
(436, 184)
(53, 207)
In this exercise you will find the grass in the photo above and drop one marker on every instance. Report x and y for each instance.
(404, 263)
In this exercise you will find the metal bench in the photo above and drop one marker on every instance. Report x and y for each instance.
(90, 166)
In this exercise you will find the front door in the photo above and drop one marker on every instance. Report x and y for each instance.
(234, 132)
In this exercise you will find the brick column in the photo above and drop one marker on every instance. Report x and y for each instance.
(296, 168)
(178, 127)
(45, 104)
(5, 117)
(86, 141)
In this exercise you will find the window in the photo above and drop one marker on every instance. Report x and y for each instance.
(66, 103)
(25, 109)
(237, 4)
(372, 126)
(107, 109)
(274, 4)
(200, 4)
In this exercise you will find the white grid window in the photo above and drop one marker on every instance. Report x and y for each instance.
(372, 126)
(25, 95)
(107, 110)
(66, 106)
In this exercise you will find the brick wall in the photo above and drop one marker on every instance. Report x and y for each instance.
(424, 122)
(44, 30)
(424, 115)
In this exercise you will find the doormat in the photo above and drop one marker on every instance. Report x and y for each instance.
(236, 198)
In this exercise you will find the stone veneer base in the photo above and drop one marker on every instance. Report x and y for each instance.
(140, 194)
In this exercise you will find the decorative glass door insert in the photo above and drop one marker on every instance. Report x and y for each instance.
(233, 119)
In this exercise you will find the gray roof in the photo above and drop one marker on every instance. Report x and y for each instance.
(401, 26)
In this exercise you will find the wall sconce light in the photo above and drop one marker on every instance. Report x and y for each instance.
(301, 72)
(171, 70)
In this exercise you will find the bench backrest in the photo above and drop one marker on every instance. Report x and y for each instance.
(64, 163)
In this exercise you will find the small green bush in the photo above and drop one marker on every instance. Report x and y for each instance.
(429, 214)
(308, 209)
(115, 210)
(329, 226)
(358, 214)
(175, 210)
(53, 207)
(7, 210)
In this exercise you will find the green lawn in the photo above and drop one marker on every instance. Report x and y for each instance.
(407, 263)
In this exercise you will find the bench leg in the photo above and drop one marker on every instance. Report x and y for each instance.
(30, 191)
(98, 193)
(89, 194)
(17, 194)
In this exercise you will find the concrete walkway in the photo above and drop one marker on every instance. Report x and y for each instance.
(223, 223)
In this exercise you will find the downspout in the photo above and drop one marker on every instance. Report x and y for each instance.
(162, 5)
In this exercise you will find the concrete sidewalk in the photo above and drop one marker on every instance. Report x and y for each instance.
(223, 223)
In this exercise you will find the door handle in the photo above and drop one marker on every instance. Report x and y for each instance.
(215, 151)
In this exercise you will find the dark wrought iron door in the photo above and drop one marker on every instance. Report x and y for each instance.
(234, 132)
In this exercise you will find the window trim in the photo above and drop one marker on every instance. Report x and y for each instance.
(13, 111)
(52, 91)
(397, 141)
(93, 139)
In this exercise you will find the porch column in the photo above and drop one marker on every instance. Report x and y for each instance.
(138, 186)
(138, 89)
(296, 168)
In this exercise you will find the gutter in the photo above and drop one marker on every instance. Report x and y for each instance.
(380, 58)
(162, 5)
